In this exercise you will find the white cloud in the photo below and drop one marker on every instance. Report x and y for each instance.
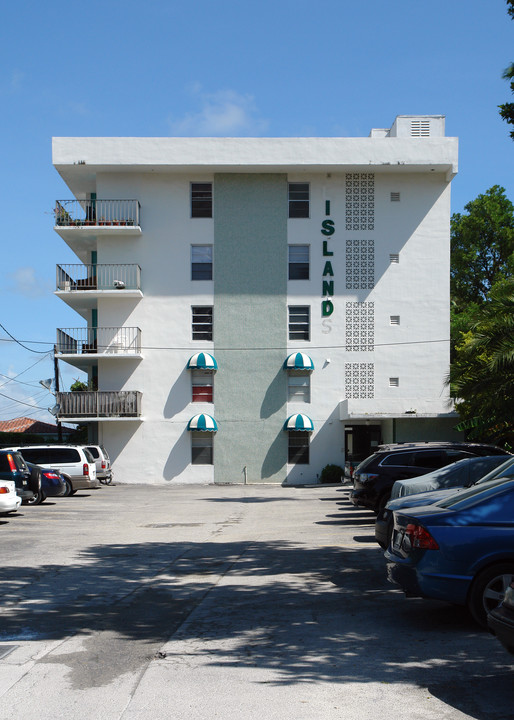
(23, 281)
(225, 113)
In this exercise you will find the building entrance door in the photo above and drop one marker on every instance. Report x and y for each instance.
(360, 441)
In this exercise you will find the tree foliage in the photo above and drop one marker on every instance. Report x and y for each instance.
(482, 246)
(507, 109)
(482, 374)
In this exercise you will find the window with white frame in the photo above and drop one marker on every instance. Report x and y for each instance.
(202, 384)
(201, 262)
(299, 322)
(202, 322)
(299, 256)
(201, 200)
(298, 447)
(299, 386)
(298, 200)
(202, 448)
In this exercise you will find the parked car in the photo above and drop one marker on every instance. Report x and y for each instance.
(375, 476)
(53, 484)
(74, 462)
(463, 473)
(501, 620)
(103, 463)
(460, 549)
(13, 467)
(10, 501)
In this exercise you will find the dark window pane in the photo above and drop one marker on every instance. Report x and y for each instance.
(201, 271)
(298, 200)
(201, 200)
(298, 448)
(298, 271)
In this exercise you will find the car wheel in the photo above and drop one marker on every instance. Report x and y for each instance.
(488, 589)
(38, 498)
(382, 502)
(68, 488)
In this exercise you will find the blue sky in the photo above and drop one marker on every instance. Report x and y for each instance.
(220, 67)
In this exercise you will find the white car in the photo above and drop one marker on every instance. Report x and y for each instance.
(9, 500)
(75, 463)
(103, 463)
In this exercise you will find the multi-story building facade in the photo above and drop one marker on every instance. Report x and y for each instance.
(255, 309)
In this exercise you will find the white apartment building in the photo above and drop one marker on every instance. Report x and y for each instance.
(253, 309)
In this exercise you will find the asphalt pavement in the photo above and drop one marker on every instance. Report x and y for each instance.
(237, 601)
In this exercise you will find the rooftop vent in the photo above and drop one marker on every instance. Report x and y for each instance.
(420, 128)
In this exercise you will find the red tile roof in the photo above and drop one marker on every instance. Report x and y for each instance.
(28, 425)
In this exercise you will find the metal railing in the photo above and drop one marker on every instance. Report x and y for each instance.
(79, 213)
(98, 277)
(100, 404)
(99, 341)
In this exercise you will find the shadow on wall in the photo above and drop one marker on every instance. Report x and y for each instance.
(179, 457)
(179, 395)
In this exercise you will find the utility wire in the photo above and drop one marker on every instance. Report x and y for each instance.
(20, 343)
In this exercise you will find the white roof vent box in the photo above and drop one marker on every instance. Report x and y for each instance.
(418, 126)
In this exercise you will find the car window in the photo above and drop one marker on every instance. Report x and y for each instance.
(506, 470)
(475, 494)
(401, 459)
(39, 456)
(88, 455)
(431, 459)
(94, 451)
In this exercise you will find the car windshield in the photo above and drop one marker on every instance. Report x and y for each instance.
(505, 470)
(465, 498)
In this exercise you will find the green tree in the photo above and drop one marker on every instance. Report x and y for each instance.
(482, 374)
(507, 109)
(482, 246)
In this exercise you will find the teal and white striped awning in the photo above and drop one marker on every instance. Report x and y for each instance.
(202, 361)
(298, 361)
(299, 422)
(202, 423)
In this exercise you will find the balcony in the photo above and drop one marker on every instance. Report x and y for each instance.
(99, 405)
(83, 347)
(81, 222)
(80, 285)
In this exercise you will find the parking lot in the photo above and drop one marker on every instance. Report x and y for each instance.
(226, 602)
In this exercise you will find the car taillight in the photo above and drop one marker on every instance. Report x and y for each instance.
(12, 464)
(420, 537)
(51, 475)
(104, 464)
(85, 469)
(4, 490)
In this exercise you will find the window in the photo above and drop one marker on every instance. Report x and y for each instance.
(395, 197)
(299, 386)
(298, 200)
(298, 448)
(202, 448)
(394, 258)
(299, 322)
(299, 262)
(201, 262)
(202, 386)
(201, 200)
(394, 382)
(394, 320)
(202, 322)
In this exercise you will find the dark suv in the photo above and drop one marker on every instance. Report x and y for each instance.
(27, 480)
(375, 476)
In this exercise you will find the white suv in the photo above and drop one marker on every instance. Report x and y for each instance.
(75, 463)
(103, 463)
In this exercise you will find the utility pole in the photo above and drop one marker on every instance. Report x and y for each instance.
(56, 385)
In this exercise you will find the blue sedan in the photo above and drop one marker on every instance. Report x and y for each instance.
(460, 549)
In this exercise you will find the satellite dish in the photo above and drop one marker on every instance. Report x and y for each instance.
(54, 410)
(47, 383)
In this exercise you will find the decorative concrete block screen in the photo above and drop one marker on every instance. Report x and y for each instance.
(360, 326)
(359, 380)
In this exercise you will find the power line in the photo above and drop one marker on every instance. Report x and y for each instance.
(20, 343)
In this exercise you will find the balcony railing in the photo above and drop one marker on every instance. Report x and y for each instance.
(91, 404)
(80, 213)
(99, 341)
(98, 277)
